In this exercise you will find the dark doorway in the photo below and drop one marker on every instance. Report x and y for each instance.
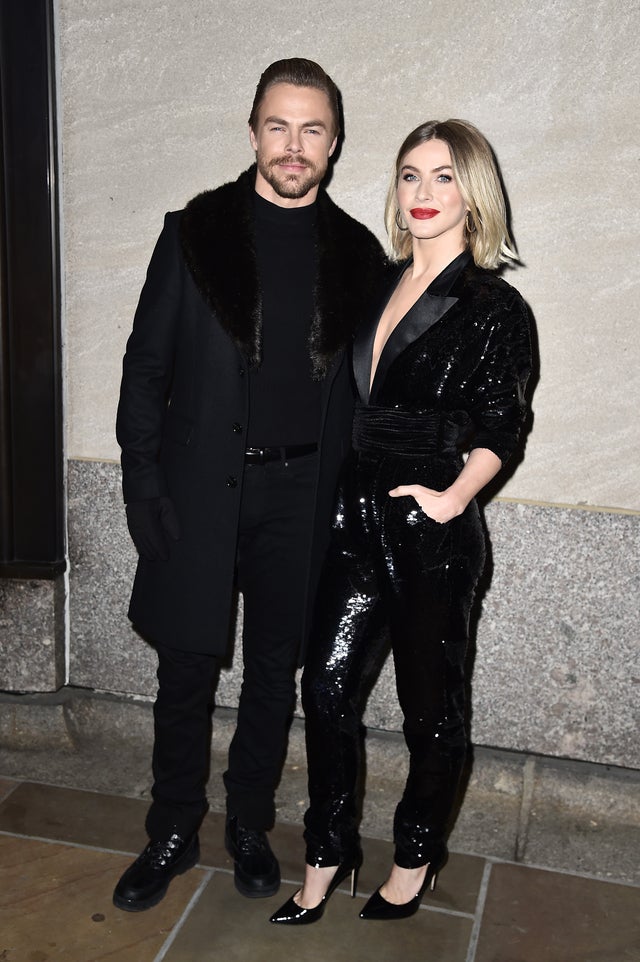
(32, 542)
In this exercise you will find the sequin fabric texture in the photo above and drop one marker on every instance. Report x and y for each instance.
(451, 377)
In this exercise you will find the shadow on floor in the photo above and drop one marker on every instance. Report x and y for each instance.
(62, 850)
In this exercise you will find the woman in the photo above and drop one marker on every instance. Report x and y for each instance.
(440, 371)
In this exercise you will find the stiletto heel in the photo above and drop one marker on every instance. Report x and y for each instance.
(378, 908)
(354, 879)
(293, 914)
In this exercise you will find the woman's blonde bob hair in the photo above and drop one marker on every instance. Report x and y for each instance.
(474, 168)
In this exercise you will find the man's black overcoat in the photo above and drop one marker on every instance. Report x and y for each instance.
(184, 402)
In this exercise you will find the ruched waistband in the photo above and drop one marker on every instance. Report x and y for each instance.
(405, 434)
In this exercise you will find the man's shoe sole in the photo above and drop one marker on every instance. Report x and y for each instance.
(129, 905)
(250, 891)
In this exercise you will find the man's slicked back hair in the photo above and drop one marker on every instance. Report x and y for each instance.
(300, 73)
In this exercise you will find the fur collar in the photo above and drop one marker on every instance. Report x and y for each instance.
(217, 235)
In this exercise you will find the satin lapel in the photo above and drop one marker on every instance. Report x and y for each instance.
(428, 309)
(363, 349)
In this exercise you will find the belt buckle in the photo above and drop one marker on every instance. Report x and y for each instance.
(257, 455)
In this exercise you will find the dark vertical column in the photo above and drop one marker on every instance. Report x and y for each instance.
(31, 462)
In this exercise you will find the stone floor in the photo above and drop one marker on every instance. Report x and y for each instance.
(63, 848)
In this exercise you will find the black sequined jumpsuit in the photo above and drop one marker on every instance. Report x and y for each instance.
(451, 377)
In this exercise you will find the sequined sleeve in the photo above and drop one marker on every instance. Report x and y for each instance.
(497, 387)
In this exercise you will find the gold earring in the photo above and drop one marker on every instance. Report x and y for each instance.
(398, 224)
(469, 223)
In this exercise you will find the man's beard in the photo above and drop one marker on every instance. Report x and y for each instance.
(290, 186)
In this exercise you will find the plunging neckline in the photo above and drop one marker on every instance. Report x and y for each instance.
(428, 308)
(374, 370)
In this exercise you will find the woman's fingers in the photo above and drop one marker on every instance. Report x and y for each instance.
(428, 500)
(412, 490)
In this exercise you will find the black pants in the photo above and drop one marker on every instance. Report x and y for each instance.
(393, 573)
(274, 544)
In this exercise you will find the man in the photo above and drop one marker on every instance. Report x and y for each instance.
(234, 417)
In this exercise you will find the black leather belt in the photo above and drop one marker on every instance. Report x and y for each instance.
(262, 455)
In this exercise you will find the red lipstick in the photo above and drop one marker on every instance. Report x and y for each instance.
(423, 213)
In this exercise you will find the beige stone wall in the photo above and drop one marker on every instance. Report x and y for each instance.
(155, 96)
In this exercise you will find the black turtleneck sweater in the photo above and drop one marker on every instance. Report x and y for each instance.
(285, 401)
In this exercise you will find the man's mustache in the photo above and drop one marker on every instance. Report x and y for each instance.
(289, 159)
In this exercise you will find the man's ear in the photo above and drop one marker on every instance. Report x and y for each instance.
(252, 138)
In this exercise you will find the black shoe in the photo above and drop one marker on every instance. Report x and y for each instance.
(146, 881)
(378, 908)
(293, 914)
(256, 870)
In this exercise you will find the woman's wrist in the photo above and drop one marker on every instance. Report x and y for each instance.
(457, 497)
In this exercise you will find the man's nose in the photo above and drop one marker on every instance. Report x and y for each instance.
(294, 145)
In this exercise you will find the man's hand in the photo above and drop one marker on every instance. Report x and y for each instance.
(151, 523)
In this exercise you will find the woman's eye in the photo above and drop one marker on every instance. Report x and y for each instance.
(444, 178)
(409, 177)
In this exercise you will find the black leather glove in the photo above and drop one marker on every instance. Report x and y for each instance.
(150, 525)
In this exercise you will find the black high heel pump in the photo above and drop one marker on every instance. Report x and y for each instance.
(293, 914)
(378, 908)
